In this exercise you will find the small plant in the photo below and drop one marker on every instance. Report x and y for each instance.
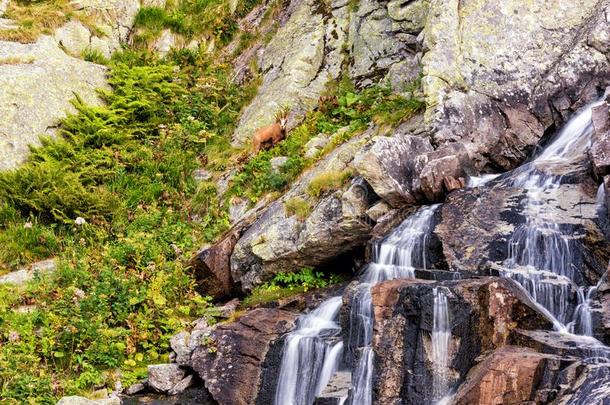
(297, 206)
(328, 181)
(287, 284)
(95, 56)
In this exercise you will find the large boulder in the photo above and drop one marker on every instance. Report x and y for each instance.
(388, 163)
(498, 74)
(230, 361)
(510, 375)
(41, 71)
(280, 241)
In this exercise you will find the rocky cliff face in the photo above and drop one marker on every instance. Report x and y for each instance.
(492, 93)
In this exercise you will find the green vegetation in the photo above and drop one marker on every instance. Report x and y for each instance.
(121, 289)
(95, 56)
(342, 107)
(34, 18)
(286, 284)
(211, 20)
(114, 200)
(299, 207)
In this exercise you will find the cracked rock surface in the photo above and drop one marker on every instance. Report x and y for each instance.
(36, 91)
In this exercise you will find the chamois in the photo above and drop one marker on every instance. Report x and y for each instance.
(268, 136)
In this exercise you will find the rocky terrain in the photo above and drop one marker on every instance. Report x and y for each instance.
(498, 79)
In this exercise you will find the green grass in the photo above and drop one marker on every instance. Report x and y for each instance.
(327, 181)
(210, 20)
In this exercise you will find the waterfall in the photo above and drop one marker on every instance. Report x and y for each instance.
(311, 355)
(441, 335)
(396, 256)
(541, 251)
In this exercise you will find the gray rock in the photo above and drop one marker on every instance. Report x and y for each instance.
(378, 210)
(135, 388)
(165, 42)
(180, 345)
(24, 275)
(202, 175)
(51, 76)
(497, 74)
(238, 207)
(179, 388)
(388, 165)
(278, 162)
(164, 377)
(228, 309)
(315, 146)
(278, 242)
(74, 37)
(301, 58)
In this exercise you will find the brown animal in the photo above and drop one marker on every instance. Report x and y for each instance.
(268, 136)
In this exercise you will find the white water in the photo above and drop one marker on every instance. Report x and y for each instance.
(540, 251)
(396, 256)
(311, 355)
(441, 335)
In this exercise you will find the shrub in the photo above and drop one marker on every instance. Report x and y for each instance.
(297, 206)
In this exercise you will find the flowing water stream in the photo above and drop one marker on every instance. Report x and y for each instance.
(541, 259)
(441, 336)
(541, 251)
(307, 350)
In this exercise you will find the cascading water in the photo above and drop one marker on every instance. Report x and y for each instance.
(311, 355)
(396, 256)
(541, 252)
(441, 335)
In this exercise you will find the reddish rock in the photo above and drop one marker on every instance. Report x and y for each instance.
(509, 375)
(442, 171)
(212, 267)
(230, 361)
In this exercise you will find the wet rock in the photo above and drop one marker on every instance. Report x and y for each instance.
(509, 375)
(483, 315)
(47, 73)
(337, 388)
(476, 224)
(600, 147)
(164, 377)
(230, 363)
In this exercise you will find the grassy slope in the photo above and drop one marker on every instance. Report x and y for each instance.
(122, 288)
